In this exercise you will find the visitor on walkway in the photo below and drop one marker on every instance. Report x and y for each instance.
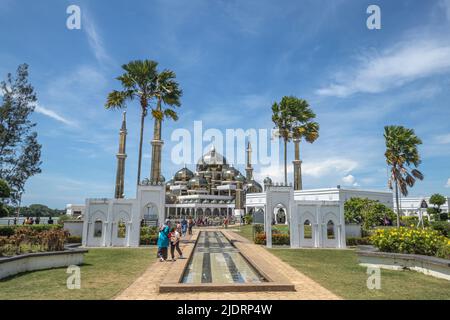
(184, 224)
(225, 222)
(190, 225)
(163, 240)
(175, 243)
(179, 227)
(38, 220)
(50, 220)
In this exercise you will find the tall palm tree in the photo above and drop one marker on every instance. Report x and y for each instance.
(138, 82)
(401, 154)
(304, 128)
(293, 118)
(167, 92)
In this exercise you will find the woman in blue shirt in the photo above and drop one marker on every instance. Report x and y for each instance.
(163, 240)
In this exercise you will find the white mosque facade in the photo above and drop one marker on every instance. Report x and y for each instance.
(215, 190)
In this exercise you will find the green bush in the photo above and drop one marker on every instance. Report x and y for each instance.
(148, 235)
(8, 231)
(73, 239)
(368, 213)
(248, 218)
(443, 227)
(412, 220)
(148, 239)
(277, 239)
(409, 240)
(357, 241)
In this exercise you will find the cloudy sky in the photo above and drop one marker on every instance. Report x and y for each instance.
(233, 59)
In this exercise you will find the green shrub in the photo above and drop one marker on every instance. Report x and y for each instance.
(368, 213)
(443, 227)
(412, 220)
(258, 228)
(148, 239)
(248, 218)
(73, 239)
(7, 231)
(357, 241)
(409, 240)
(277, 239)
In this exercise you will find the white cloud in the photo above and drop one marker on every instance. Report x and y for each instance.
(94, 39)
(409, 61)
(443, 139)
(323, 168)
(275, 172)
(52, 114)
(448, 183)
(445, 4)
(350, 180)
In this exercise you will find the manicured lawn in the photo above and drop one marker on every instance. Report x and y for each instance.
(104, 274)
(338, 271)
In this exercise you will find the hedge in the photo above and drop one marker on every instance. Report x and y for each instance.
(357, 241)
(7, 231)
(277, 239)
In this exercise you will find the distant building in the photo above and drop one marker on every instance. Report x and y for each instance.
(75, 210)
(410, 206)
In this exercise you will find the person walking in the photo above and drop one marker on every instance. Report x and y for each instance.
(183, 226)
(175, 243)
(163, 240)
(50, 220)
(190, 225)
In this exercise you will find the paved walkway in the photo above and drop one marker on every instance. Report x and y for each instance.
(146, 286)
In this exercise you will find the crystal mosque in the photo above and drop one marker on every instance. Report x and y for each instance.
(213, 191)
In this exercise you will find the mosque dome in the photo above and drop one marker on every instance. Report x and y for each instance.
(253, 187)
(267, 181)
(183, 174)
(239, 177)
(230, 173)
(211, 158)
(162, 178)
(197, 181)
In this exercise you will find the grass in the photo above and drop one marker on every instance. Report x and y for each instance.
(339, 272)
(104, 274)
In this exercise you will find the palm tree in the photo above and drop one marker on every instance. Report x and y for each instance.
(293, 118)
(305, 128)
(401, 154)
(138, 82)
(167, 92)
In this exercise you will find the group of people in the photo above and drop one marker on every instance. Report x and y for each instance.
(171, 236)
(31, 221)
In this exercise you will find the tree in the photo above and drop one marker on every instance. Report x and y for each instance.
(167, 92)
(138, 82)
(402, 154)
(293, 118)
(368, 213)
(19, 150)
(437, 200)
(5, 193)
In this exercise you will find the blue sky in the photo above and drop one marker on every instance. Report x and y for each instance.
(233, 59)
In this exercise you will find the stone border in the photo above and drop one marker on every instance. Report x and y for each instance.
(433, 266)
(10, 266)
(173, 278)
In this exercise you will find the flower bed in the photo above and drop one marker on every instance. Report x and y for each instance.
(277, 238)
(148, 236)
(412, 241)
(26, 240)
